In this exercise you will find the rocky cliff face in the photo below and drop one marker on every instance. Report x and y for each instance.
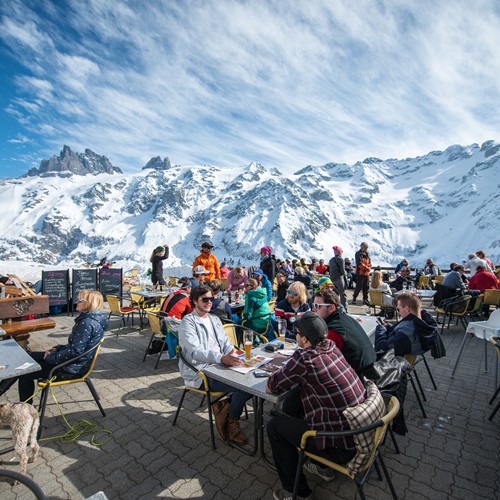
(442, 205)
(69, 162)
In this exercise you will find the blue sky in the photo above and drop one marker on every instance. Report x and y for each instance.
(285, 83)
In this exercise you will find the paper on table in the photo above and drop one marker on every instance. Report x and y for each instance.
(24, 366)
(248, 366)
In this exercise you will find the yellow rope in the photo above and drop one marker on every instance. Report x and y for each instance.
(78, 429)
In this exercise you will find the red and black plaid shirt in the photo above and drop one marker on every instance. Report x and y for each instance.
(328, 385)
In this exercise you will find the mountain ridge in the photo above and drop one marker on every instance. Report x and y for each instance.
(441, 205)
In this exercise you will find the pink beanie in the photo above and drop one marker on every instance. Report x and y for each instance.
(266, 250)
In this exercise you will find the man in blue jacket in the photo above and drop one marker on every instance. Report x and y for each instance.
(403, 336)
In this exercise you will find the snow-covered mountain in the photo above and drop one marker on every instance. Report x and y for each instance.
(442, 205)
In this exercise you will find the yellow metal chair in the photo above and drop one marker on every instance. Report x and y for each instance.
(155, 325)
(47, 384)
(439, 278)
(172, 280)
(376, 299)
(379, 427)
(205, 392)
(223, 282)
(491, 298)
(423, 282)
(131, 277)
(272, 305)
(496, 342)
(456, 308)
(123, 312)
(230, 331)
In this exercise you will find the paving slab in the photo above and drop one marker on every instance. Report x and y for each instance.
(452, 454)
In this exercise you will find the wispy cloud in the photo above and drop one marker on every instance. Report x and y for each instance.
(284, 83)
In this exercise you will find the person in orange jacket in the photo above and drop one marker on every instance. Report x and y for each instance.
(208, 261)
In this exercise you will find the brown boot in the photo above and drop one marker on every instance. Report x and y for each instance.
(234, 433)
(220, 410)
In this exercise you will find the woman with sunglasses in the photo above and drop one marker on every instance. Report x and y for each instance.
(87, 332)
(293, 305)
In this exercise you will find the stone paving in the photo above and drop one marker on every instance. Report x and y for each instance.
(453, 454)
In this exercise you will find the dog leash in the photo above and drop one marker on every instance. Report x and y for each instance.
(78, 429)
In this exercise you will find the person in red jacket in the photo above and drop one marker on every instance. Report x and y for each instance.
(483, 280)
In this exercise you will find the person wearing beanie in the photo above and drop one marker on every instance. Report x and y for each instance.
(327, 386)
(160, 253)
(337, 274)
(267, 263)
(209, 261)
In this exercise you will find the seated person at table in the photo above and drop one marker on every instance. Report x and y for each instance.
(236, 279)
(199, 273)
(482, 255)
(302, 276)
(203, 342)
(264, 282)
(453, 279)
(256, 312)
(346, 332)
(483, 280)
(327, 386)
(177, 304)
(404, 280)
(403, 335)
(378, 285)
(321, 268)
(282, 285)
(294, 305)
(87, 332)
(219, 306)
(403, 263)
(473, 263)
(224, 270)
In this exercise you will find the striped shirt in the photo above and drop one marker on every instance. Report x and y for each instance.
(328, 385)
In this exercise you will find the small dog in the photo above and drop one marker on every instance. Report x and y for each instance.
(24, 421)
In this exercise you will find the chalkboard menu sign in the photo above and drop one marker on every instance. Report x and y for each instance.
(55, 284)
(83, 279)
(110, 282)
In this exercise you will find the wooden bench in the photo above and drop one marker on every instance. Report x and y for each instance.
(20, 330)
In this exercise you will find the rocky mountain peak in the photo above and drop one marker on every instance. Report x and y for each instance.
(156, 163)
(69, 162)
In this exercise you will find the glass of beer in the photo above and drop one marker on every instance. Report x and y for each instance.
(281, 330)
(248, 343)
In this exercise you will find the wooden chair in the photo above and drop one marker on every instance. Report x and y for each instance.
(379, 427)
(204, 391)
(47, 384)
(123, 312)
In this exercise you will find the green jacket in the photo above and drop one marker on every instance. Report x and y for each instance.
(256, 305)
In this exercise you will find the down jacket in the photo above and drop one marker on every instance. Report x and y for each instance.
(87, 332)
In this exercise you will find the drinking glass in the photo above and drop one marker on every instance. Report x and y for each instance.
(248, 343)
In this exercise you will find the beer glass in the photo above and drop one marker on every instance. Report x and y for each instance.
(281, 330)
(248, 343)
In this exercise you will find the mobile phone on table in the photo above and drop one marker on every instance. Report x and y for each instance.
(260, 373)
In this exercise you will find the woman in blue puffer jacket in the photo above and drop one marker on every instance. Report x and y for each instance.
(87, 332)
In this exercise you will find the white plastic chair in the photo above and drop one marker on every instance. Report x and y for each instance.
(482, 330)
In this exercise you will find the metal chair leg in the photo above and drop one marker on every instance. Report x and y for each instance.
(41, 409)
(459, 355)
(148, 347)
(429, 372)
(386, 473)
(417, 395)
(179, 407)
(91, 387)
(417, 378)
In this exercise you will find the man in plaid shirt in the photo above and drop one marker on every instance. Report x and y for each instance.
(327, 386)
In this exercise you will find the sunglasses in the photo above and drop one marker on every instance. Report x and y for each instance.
(207, 299)
(81, 300)
(248, 286)
(290, 292)
(319, 306)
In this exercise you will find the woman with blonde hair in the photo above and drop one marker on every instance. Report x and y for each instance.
(379, 286)
(236, 279)
(293, 305)
(87, 333)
